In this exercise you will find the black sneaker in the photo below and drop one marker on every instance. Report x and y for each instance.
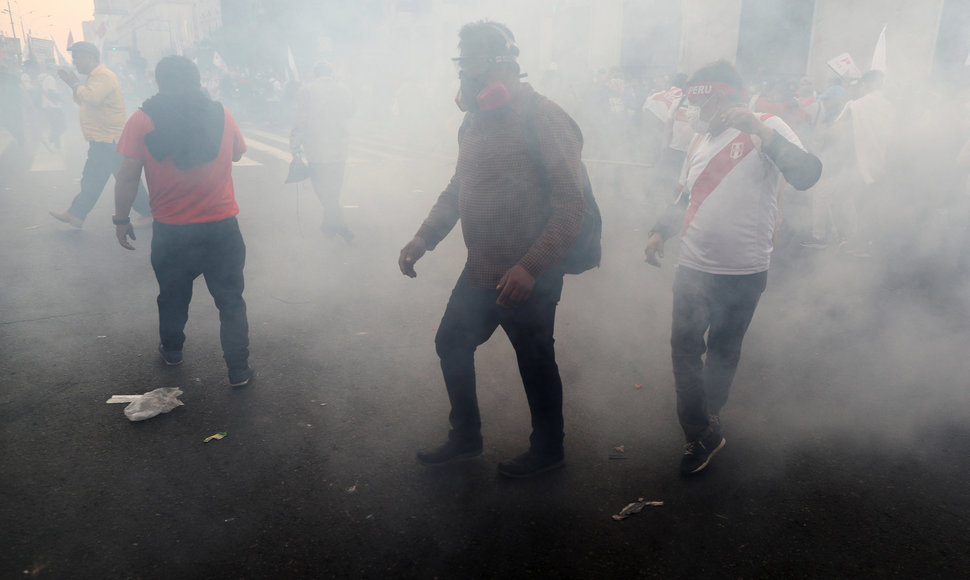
(241, 378)
(449, 452)
(529, 464)
(698, 453)
(171, 357)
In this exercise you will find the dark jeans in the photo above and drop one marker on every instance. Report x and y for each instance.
(327, 180)
(722, 306)
(469, 320)
(216, 251)
(103, 162)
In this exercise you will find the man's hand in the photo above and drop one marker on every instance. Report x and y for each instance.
(516, 287)
(744, 120)
(655, 250)
(410, 254)
(123, 233)
(68, 77)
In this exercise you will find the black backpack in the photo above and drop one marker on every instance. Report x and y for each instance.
(585, 253)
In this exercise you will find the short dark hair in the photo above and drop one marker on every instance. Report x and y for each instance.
(84, 47)
(720, 71)
(491, 39)
(177, 74)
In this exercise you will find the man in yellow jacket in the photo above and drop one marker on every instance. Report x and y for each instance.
(103, 116)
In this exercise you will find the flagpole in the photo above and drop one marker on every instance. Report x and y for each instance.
(13, 28)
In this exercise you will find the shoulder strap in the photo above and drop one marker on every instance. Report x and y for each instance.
(532, 142)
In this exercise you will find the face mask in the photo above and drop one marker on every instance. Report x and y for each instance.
(489, 97)
(470, 87)
(494, 96)
(693, 113)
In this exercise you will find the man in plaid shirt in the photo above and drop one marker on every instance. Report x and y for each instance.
(516, 232)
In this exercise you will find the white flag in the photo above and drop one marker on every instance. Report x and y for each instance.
(292, 63)
(879, 55)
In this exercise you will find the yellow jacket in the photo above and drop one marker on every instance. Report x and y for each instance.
(102, 106)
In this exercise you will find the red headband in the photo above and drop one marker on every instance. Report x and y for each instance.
(709, 89)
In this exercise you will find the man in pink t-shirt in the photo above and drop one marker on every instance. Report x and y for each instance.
(186, 144)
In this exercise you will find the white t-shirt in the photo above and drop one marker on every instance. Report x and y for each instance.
(733, 207)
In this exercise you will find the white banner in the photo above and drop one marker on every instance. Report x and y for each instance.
(844, 66)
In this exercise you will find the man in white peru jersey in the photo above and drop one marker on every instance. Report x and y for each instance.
(726, 215)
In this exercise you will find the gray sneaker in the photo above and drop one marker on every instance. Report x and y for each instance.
(171, 357)
(241, 378)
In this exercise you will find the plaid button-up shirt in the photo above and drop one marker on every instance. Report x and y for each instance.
(506, 217)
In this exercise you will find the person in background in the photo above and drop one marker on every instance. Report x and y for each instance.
(666, 108)
(781, 99)
(51, 104)
(516, 231)
(320, 132)
(186, 144)
(832, 143)
(102, 111)
(726, 214)
(871, 118)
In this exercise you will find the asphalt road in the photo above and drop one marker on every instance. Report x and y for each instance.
(847, 429)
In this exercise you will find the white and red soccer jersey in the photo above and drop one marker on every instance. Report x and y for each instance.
(733, 206)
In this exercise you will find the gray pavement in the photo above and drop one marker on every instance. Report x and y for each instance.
(847, 432)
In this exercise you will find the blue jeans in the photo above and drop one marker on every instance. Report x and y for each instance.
(103, 162)
(469, 320)
(215, 250)
(721, 306)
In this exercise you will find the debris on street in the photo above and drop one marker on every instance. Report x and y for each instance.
(619, 452)
(161, 400)
(218, 435)
(635, 508)
(122, 399)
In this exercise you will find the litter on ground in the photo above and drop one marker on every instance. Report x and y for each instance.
(635, 508)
